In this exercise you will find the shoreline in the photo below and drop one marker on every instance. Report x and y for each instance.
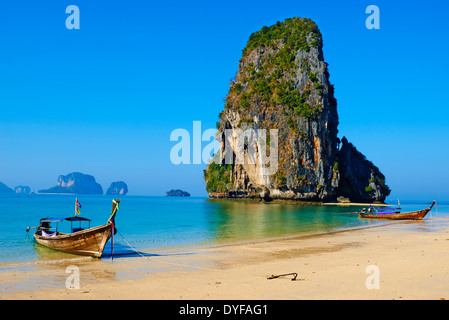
(356, 204)
(43, 255)
(298, 202)
(409, 255)
(65, 257)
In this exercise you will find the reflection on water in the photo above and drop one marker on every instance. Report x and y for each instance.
(426, 225)
(240, 220)
(46, 254)
(149, 223)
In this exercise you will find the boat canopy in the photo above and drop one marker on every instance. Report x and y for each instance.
(57, 219)
(77, 219)
(387, 209)
(52, 219)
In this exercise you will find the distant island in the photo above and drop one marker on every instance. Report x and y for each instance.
(75, 182)
(177, 193)
(117, 188)
(5, 189)
(19, 189)
(22, 190)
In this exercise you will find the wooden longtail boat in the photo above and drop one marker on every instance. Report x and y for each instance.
(89, 242)
(415, 215)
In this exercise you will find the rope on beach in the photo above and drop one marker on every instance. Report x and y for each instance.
(166, 262)
(294, 274)
(138, 252)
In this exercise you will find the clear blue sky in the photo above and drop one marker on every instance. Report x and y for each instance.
(104, 99)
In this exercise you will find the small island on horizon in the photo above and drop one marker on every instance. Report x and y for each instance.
(117, 188)
(73, 183)
(18, 190)
(177, 193)
(81, 183)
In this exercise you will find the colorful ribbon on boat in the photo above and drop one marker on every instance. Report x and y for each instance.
(77, 207)
(111, 218)
(112, 240)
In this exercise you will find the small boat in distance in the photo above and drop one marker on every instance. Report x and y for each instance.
(395, 214)
(89, 241)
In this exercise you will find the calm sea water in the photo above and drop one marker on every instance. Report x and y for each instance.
(157, 222)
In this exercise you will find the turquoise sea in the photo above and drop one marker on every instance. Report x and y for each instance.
(148, 223)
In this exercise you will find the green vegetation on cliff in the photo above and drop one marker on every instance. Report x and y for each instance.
(361, 180)
(283, 84)
(293, 32)
(267, 83)
(218, 177)
(271, 81)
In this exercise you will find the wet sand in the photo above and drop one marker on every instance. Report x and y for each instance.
(407, 260)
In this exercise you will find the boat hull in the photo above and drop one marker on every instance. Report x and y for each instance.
(89, 242)
(415, 215)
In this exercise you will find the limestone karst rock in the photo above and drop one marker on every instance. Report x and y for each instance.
(282, 83)
(77, 183)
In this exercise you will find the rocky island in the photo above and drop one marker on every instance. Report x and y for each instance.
(18, 190)
(177, 193)
(77, 183)
(283, 83)
(5, 189)
(117, 188)
(22, 190)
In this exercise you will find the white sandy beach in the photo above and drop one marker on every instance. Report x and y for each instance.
(411, 259)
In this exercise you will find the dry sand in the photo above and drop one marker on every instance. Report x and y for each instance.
(411, 259)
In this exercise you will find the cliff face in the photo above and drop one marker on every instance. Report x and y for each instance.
(77, 183)
(360, 179)
(5, 189)
(282, 83)
(117, 188)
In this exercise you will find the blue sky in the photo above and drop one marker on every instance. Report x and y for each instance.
(104, 99)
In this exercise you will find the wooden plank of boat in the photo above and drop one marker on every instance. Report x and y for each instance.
(415, 215)
(90, 242)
